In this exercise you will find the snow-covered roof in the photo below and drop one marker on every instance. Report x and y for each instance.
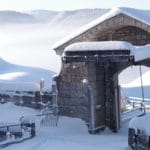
(102, 45)
(141, 15)
(139, 52)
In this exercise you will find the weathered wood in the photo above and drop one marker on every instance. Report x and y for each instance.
(98, 59)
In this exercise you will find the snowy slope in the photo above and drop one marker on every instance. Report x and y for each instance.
(79, 17)
(15, 111)
(43, 16)
(130, 81)
(20, 42)
(16, 17)
(15, 77)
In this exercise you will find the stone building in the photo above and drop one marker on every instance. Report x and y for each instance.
(88, 82)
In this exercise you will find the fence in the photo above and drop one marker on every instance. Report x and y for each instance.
(137, 140)
(133, 108)
(48, 117)
(11, 134)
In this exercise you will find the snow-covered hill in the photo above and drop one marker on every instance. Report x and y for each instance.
(43, 15)
(21, 41)
(130, 81)
(79, 17)
(16, 17)
(21, 78)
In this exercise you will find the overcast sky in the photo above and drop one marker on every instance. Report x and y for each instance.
(70, 4)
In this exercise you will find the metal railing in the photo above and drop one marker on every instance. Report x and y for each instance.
(48, 118)
(10, 134)
(133, 108)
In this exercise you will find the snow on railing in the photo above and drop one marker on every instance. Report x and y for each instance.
(11, 134)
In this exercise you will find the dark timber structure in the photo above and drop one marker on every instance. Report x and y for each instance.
(88, 82)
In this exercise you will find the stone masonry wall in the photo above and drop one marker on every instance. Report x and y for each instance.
(26, 99)
(72, 92)
(87, 101)
(77, 99)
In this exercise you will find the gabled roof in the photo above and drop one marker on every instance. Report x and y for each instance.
(140, 15)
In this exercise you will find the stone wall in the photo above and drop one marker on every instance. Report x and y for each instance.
(75, 96)
(87, 100)
(71, 93)
(27, 99)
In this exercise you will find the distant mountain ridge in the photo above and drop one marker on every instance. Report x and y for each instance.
(53, 17)
(77, 18)
(15, 17)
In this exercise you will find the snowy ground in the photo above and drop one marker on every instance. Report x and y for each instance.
(71, 133)
(30, 45)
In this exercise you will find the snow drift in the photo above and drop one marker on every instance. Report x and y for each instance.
(21, 78)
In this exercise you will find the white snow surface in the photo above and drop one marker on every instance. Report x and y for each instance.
(141, 15)
(11, 75)
(142, 123)
(19, 86)
(101, 45)
(20, 78)
(137, 82)
(70, 134)
(10, 113)
(142, 52)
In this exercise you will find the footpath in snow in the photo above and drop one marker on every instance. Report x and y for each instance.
(70, 134)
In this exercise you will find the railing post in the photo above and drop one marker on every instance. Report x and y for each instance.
(32, 129)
